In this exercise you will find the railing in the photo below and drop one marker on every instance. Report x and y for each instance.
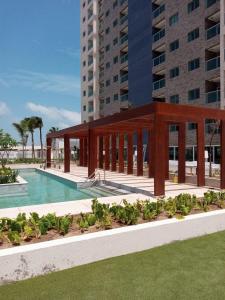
(123, 39)
(158, 35)
(124, 58)
(93, 179)
(213, 31)
(159, 59)
(124, 97)
(123, 19)
(213, 96)
(209, 3)
(124, 78)
(159, 84)
(158, 11)
(213, 63)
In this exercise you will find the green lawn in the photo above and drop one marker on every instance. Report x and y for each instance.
(193, 269)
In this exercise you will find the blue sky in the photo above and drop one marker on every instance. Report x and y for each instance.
(39, 62)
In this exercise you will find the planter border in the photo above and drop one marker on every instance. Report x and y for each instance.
(27, 261)
(9, 189)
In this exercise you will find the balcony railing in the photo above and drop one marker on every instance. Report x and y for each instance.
(159, 84)
(124, 97)
(124, 58)
(122, 2)
(158, 11)
(123, 19)
(158, 35)
(213, 96)
(213, 63)
(213, 31)
(209, 3)
(123, 39)
(124, 78)
(159, 59)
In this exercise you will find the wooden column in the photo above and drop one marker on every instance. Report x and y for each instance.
(107, 156)
(151, 159)
(113, 152)
(85, 152)
(222, 155)
(67, 153)
(130, 153)
(92, 152)
(181, 152)
(159, 156)
(100, 152)
(201, 153)
(167, 175)
(121, 152)
(81, 152)
(49, 152)
(140, 153)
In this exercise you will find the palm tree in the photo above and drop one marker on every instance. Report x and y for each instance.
(31, 125)
(22, 129)
(53, 129)
(39, 125)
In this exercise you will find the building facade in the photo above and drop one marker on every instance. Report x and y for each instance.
(160, 50)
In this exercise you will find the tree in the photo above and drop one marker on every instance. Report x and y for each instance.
(31, 125)
(53, 129)
(7, 143)
(213, 128)
(39, 125)
(22, 129)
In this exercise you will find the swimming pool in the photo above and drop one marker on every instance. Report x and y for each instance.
(46, 188)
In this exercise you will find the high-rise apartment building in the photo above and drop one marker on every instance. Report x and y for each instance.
(116, 61)
(159, 50)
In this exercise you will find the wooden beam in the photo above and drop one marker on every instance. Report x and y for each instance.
(113, 152)
(139, 152)
(67, 153)
(130, 153)
(222, 155)
(92, 152)
(121, 152)
(201, 153)
(181, 152)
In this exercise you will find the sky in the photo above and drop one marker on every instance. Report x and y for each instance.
(39, 62)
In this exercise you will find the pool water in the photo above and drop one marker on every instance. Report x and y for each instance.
(46, 188)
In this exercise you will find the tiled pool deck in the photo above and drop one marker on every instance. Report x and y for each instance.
(139, 187)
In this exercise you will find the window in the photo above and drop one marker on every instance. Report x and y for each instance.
(84, 108)
(115, 60)
(107, 65)
(115, 78)
(84, 93)
(174, 19)
(193, 5)
(107, 83)
(107, 100)
(84, 63)
(193, 64)
(174, 72)
(84, 78)
(115, 22)
(174, 45)
(115, 3)
(174, 128)
(107, 31)
(192, 126)
(107, 13)
(193, 94)
(107, 48)
(116, 97)
(174, 99)
(115, 41)
(194, 34)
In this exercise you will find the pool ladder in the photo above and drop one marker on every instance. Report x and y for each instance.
(92, 180)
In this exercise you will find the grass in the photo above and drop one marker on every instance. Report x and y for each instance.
(192, 269)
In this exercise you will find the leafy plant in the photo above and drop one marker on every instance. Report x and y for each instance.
(14, 238)
(27, 233)
(63, 224)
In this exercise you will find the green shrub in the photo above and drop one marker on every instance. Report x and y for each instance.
(8, 175)
(14, 238)
(63, 224)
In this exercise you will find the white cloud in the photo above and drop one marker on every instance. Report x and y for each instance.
(4, 110)
(45, 82)
(62, 117)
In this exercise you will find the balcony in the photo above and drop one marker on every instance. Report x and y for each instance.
(213, 31)
(213, 63)
(124, 78)
(124, 97)
(209, 3)
(159, 84)
(158, 11)
(159, 59)
(213, 96)
(122, 2)
(124, 58)
(158, 35)
(123, 39)
(123, 19)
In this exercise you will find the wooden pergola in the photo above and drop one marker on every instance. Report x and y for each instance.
(96, 137)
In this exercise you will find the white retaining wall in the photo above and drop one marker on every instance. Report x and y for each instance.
(18, 188)
(28, 261)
